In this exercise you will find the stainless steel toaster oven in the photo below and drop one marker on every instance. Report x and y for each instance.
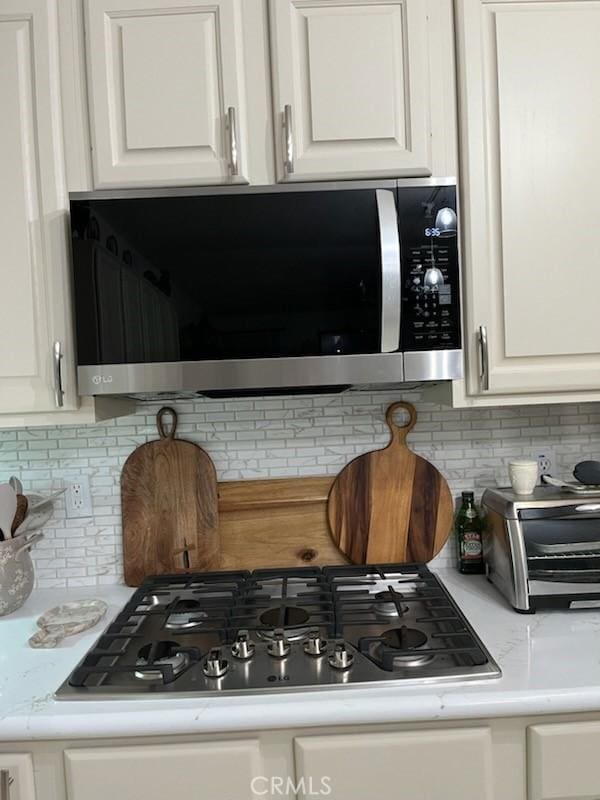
(543, 551)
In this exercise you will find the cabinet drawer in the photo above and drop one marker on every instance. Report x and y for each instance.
(562, 761)
(216, 770)
(449, 764)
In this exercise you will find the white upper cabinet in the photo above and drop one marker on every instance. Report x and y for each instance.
(192, 92)
(35, 318)
(167, 92)
(351, 91)
(530, 116)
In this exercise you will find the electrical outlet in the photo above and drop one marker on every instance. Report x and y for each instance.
(546, 462)
(79, 498)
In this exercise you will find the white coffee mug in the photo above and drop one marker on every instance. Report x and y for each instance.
(523, 473)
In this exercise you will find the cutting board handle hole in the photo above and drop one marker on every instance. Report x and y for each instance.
(402, 429)
(166, 432)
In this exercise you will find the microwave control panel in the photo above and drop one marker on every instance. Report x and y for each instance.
(430, 317)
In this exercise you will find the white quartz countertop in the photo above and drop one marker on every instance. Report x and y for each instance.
(550, 664)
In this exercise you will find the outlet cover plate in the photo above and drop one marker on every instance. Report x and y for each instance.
(546, 463)
(78, 498)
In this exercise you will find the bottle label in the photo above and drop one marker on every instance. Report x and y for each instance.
(471, 548)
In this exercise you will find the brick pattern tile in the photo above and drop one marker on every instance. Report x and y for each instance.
(273, 438)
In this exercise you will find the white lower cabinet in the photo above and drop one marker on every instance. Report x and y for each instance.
(16, 773)
(518, 758)
(450, 764)
(563, 761)
(223, 770)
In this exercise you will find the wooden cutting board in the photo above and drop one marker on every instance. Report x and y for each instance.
(280, 522)
(391, 505)
(169, 506)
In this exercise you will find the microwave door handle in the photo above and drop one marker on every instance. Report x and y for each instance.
(390, 270)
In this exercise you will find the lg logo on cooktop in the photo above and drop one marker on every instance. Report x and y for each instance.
(98, 379)
(273, 678)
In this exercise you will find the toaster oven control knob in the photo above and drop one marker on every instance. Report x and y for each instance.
(314, 645)
(243, 647)
(215, 666)
(279, 647)
(341, 658)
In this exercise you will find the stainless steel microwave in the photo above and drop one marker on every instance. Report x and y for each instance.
(245, 289)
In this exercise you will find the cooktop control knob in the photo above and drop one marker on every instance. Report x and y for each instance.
(243, 647)
(215, 666)
(314, 645)
(279, 647)
(341, 658)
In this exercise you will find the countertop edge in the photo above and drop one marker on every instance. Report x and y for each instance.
(211, 718)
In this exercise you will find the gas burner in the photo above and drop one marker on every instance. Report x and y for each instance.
(186, 615)
(286, 617)
(407, 639)
(389, 604)
(161, 654)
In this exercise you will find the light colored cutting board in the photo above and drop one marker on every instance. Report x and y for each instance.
(169, 506)
(390, 505)
(276, 523)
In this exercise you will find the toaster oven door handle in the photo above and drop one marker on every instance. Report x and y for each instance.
(390, 270)
(559, 511)
(565, 575)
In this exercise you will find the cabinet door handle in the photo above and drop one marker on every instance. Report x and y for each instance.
(5, 782)
(231, 124)
(484, 374)
(288, 140)
(58, 390)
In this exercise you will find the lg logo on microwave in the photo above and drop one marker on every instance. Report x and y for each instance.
(98, 379)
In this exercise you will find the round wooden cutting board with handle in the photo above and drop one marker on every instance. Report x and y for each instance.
(391, 505)
(170, 507)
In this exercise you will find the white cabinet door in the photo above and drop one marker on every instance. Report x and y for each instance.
(354, 77)
(562, 761)
(530, 115)
(217, 770)
(449, 764)
(33, 220)
(166, 88)
(16, 771)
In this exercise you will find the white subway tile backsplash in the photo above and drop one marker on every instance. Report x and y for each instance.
(271, 438)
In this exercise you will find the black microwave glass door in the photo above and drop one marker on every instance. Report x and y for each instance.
(255, 275)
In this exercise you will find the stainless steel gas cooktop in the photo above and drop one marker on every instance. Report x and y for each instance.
(282, 630)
